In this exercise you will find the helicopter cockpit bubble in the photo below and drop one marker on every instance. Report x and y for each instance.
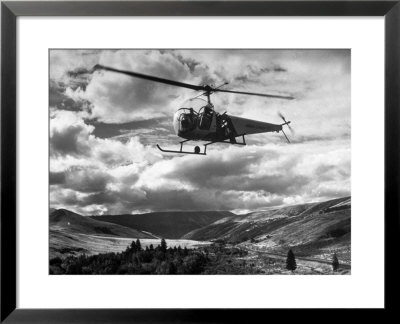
(195, 103)
(186, 118)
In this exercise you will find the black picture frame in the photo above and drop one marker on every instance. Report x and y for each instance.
(10, 11)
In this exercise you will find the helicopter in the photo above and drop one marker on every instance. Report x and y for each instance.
(203, 123)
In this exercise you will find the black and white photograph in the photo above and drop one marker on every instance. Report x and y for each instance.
(200, 161)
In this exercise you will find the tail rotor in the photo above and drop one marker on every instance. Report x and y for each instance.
(287, 123)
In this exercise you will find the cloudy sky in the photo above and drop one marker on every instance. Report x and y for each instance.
(104, 128)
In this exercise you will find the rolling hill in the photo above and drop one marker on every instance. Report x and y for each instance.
(67, 221)
(171, 225)
(310, 228)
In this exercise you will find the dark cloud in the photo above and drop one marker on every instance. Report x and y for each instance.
(254, 72)
(114, 202)
(81, 180)
(173, 199)
(66, 142)
(78, 72)
(218, 173)
(87, 180)
(278, 68)
(189, 62)
(101, 198)
(65, 198)
(170, 199)
(107, 130)
(56, 94)
(56, 178)
(58, 98)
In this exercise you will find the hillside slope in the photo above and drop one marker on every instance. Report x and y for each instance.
(67, 221)
(312, 228)
(172, 225)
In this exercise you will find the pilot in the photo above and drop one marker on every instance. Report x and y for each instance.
(206, 118)
(192, 116)
(208, 109)
(187, 121)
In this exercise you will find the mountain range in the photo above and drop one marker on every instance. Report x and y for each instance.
(172, 225)
(313, 229)
(68, 221)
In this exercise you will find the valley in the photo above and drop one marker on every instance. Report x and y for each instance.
(253, 243)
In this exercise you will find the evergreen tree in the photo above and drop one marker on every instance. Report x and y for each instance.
(163, 245)
(133, 247)
(151, 247)
(291, 261)
(138, 245)
(335, 262)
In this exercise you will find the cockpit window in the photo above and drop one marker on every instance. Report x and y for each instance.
(195, 113)
(205, 117)
(185, 120)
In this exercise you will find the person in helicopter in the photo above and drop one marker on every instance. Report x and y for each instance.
(188, 121)
(225, 128)
(206, 117)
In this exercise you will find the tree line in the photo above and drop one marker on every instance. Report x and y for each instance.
(134, 260)
(214, 259)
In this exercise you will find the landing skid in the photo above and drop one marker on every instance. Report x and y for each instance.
(197, 148)
(180, 151)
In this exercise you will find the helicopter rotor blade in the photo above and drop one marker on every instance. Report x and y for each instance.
(206, 88)
(286, 123)
(286, 136)
(280, 115)
(149, 77)
(254, 94)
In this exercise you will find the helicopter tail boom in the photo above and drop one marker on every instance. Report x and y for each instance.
(249, 126)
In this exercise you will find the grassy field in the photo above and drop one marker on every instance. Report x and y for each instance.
(275, 264)
(64, 243)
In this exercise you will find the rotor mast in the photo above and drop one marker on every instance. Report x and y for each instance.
(207, 93)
